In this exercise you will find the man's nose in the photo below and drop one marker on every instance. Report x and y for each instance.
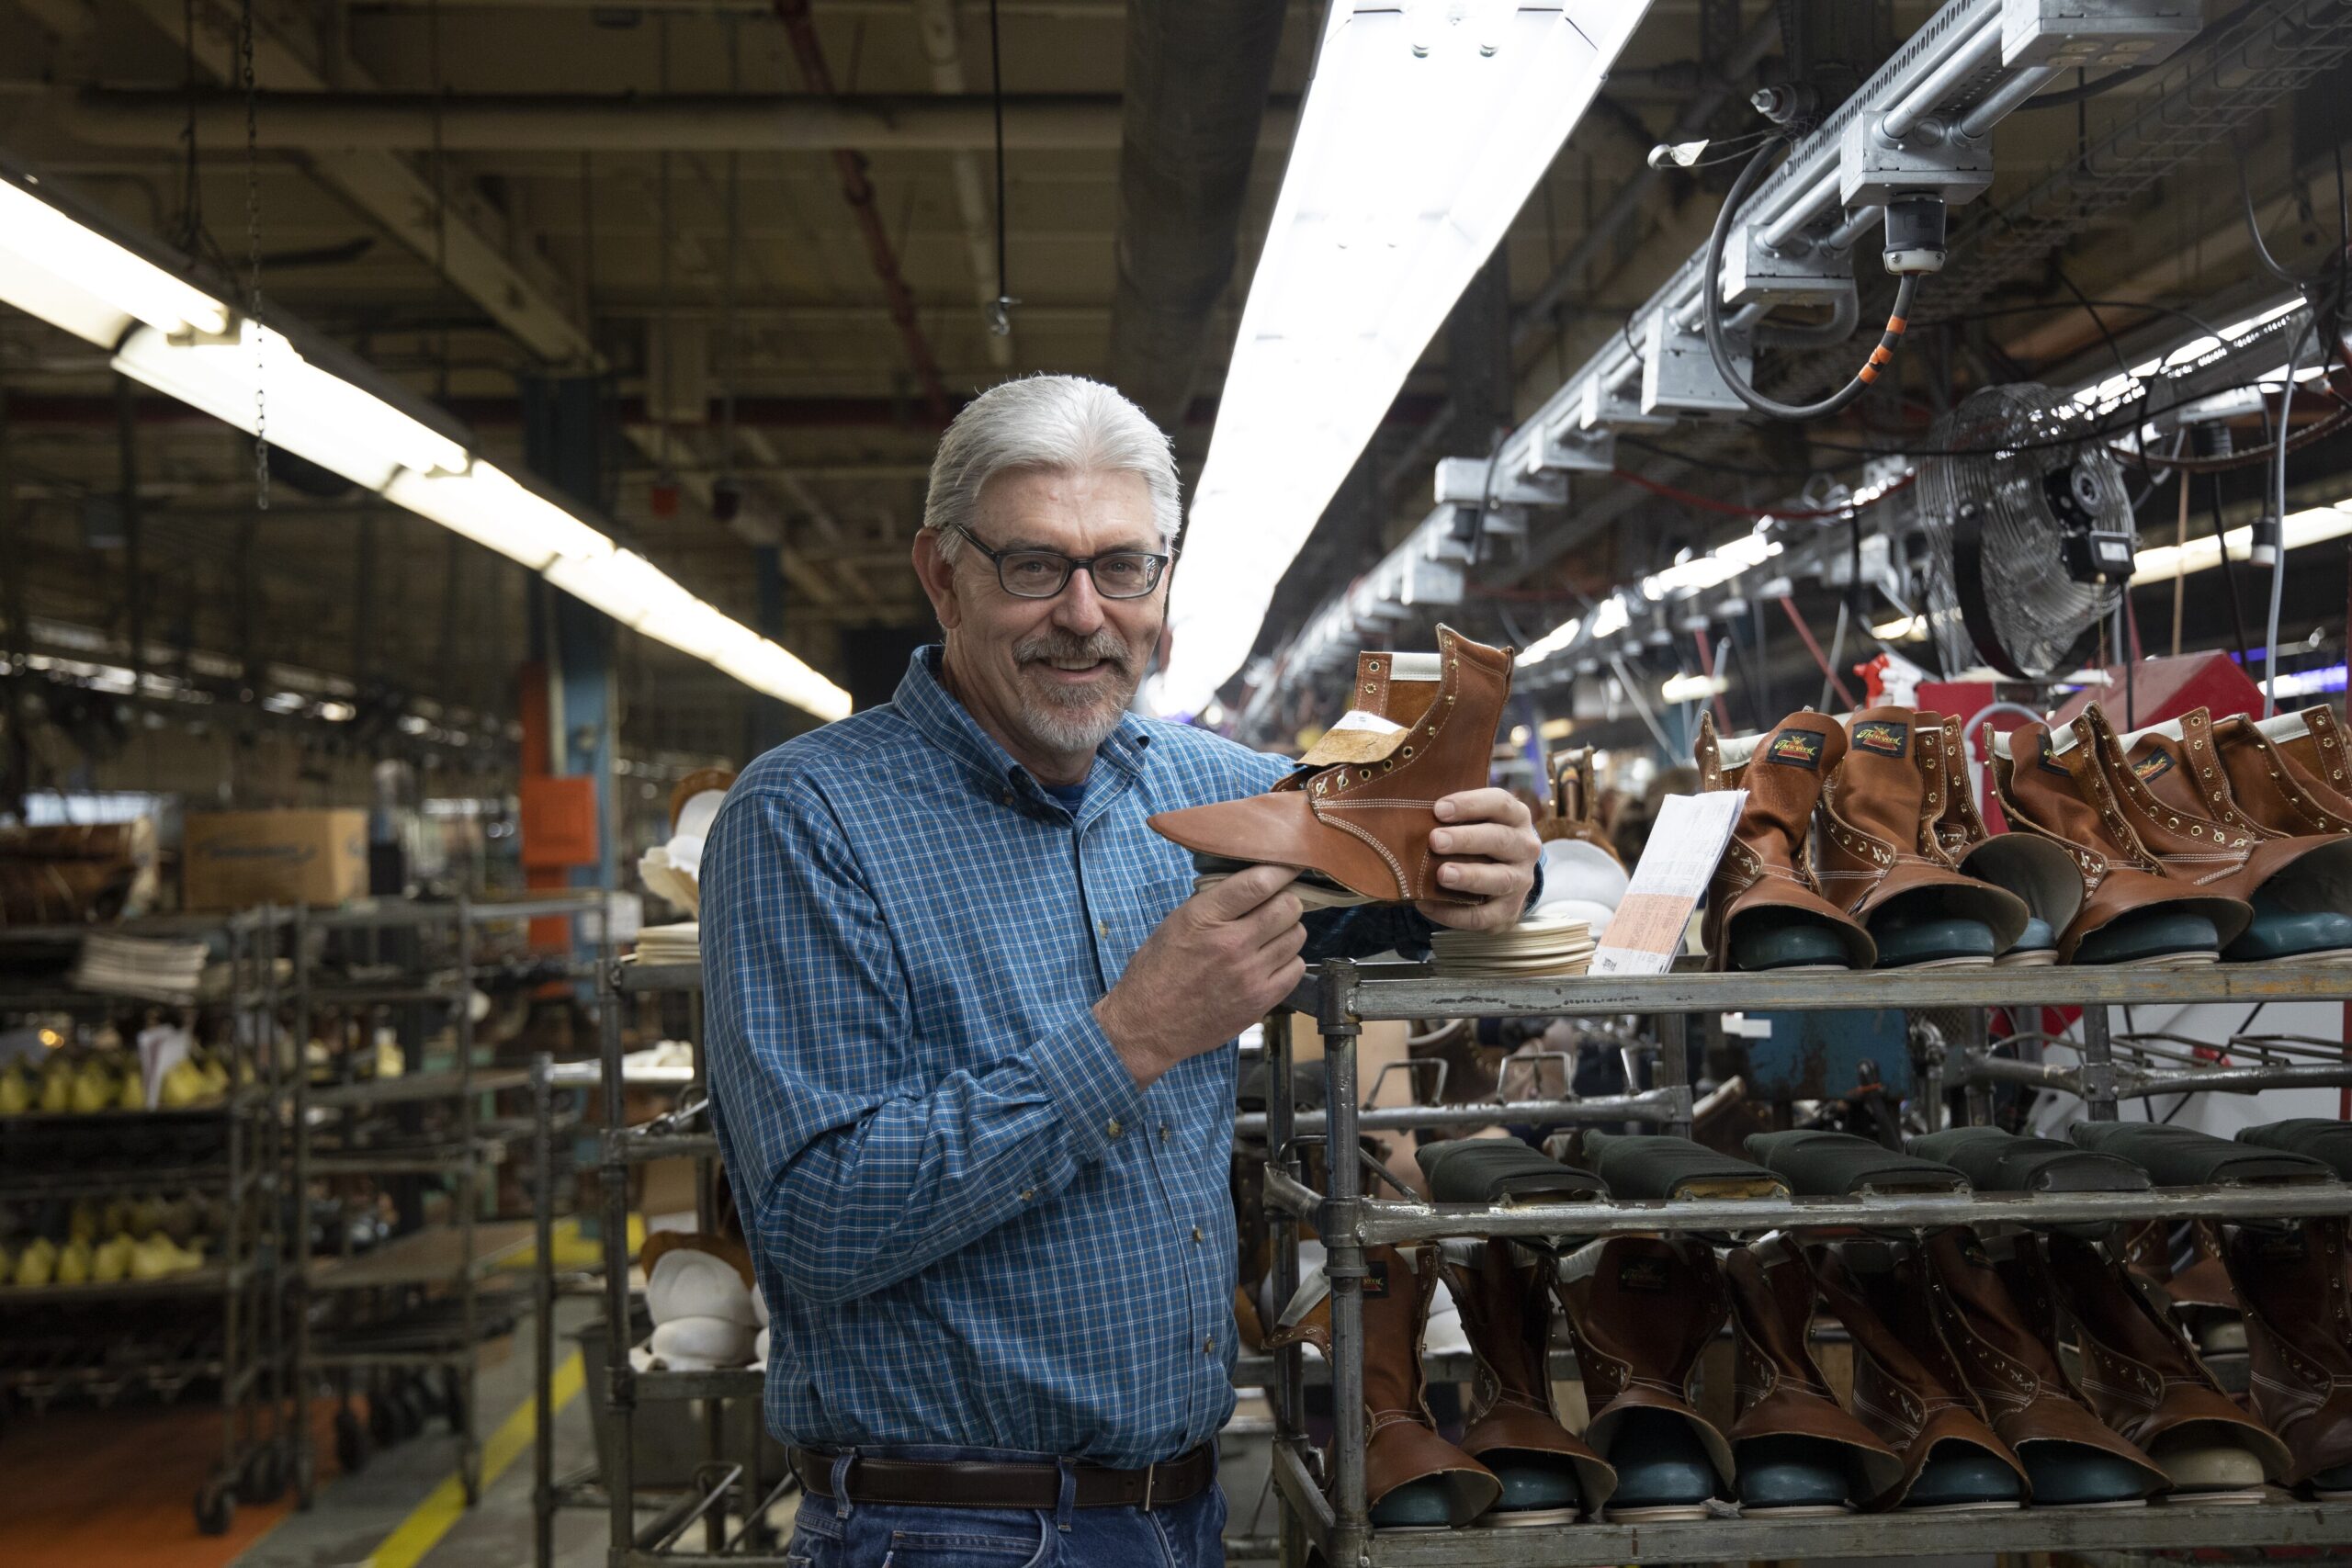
(1078, 608)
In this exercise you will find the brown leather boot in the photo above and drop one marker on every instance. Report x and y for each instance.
(1549, 1475)
(2172, 789)
(2070, 1456)
(1764, 909)
(1361, 825)
(1909, 1391)
(1413, 1478)
(1576, 805)
(1798, 1451)
(2131, 913)
(2296, 1287)
(1640, 1310)
(2034, 868)
(2272, 786)
(2142, 1374)
(1920, 912)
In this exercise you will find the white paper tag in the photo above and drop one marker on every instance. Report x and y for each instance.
(1356, 718)
(1684, 846)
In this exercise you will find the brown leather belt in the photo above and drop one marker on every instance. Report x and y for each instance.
(980, 1483)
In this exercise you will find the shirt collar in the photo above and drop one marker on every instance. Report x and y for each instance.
(928, 705)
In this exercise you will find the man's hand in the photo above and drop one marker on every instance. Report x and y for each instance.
(1213, 967)
(1492, 828)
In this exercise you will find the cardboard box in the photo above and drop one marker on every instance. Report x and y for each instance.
(234, 859)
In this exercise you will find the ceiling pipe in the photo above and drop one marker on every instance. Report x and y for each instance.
(1194, 106)
(593, 122)
(858, 191)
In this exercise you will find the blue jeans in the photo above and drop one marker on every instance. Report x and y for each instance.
(833, 1532)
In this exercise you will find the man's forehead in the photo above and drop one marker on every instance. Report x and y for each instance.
(1054, 507)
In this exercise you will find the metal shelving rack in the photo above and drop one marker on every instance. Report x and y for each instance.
(117, 1341)
(421, 1293)
(727, 1487)
(1342, 995)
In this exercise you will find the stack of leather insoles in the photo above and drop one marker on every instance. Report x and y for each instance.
(1860, 844)
(1993, 1367)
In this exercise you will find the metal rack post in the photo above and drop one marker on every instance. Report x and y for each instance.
(543, 1311)
(612, 1177)
(1343, 1259)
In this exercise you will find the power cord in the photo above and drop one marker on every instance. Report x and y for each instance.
(1711, 297)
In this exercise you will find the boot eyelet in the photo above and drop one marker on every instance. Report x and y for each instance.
(1408, 753)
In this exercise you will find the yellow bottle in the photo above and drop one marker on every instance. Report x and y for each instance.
(74, 1263)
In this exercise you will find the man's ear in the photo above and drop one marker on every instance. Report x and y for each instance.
(937, 575)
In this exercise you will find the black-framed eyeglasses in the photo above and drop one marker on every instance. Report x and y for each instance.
(1041, 574)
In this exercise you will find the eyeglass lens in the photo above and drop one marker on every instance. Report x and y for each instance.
(1040, 574)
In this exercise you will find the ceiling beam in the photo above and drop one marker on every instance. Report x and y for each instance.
(466, 236)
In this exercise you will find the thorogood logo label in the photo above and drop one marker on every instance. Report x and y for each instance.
(2154, 765)
(1646, 1275)
(1795, 748)
(1883, 736)
(1375, 1277)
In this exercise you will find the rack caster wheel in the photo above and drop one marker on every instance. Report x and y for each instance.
(216, 1509)
(264, 1479)
(407, 1405)
(352, 1448)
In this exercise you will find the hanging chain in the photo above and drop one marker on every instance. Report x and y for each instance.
(1000, 313)
(252, 252)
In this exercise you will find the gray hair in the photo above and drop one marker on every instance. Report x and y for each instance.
(1063, 422)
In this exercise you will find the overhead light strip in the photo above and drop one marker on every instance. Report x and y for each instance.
(1426, 126)
(71, 269)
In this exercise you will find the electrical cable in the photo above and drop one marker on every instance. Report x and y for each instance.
(1710, 300)
(2229, 573)
(1708, 503)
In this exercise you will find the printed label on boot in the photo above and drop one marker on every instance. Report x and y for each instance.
(2048, 762)
(1797, 749)
(1886, 737)
(1375, 1277)
(1646, 1275)
(2154, 765)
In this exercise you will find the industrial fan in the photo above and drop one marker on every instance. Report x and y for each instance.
(2028, 531)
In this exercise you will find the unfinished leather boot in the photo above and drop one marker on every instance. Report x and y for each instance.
(1413, 1478)
(1576, 804)
(1549, 1475)
(1355, 818)
(2294, 1283)
(1502, 1171)
(1764, 909)
(1995, 1161)
(2035, 868)
(1640, 1310)
(2183, 1156)
(2142, 1377)
(2196, 1283)
(1653, 1165)
(1819, 1163)
(1920, 912)
(2130, 913)
(2070, 1456)
(1907, 1388)
(2283, 793)
(2173, 792)
(1798, 1451)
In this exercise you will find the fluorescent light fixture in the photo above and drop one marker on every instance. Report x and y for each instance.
(1553, 641)
(174, 337)
(1609, 619)
(1692, 688)
(1425, 127)
(2163, 562)
(59, 268)
(1709, 570)
(1908, 628)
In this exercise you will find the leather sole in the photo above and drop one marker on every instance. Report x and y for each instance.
(1970, 961)
(2082, 1507)
(1308, 895)
(1521, 1518)
(2038, 958)
(2330, 955)
(1996, 1505)
(1662, 1513)
(2247, 1494)
(1797, 1511)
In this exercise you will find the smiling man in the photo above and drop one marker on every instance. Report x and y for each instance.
(970, 1031)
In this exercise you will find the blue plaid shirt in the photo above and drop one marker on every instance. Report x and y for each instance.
(970, 1225)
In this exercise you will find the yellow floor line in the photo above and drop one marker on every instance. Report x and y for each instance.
(446, 1504)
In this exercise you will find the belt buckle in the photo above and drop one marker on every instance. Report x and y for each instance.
(1150, 1473)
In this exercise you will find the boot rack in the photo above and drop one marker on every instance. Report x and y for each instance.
(1342, 995)
(219, 1328)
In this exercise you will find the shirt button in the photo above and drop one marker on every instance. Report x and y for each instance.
(1164, 1132)
(1196, 1233)
(1102, 927)
(1208, 1347)
(1028, 1194)
(1114, 1128)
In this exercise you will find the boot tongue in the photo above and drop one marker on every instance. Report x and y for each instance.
(1879, 787)
(2045, 790)
(1785, 777)
(2163, 767)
